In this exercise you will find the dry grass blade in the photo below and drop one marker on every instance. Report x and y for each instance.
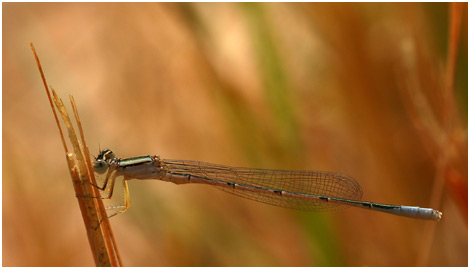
(100, 236)
(107, 231)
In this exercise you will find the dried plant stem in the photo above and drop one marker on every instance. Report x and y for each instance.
(100, 235)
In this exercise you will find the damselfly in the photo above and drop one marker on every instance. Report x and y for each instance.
(303, 190)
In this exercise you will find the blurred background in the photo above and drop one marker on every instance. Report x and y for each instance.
(374, 91)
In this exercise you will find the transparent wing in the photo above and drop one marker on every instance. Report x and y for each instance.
(302, 182)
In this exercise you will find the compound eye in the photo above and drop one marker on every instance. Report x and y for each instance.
(100, 166)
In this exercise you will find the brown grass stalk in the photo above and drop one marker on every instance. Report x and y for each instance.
(100, 236)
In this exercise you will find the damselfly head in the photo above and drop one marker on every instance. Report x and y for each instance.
(101, 162)
(106, 154)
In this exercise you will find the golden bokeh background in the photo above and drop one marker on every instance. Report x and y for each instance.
(351, 88)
